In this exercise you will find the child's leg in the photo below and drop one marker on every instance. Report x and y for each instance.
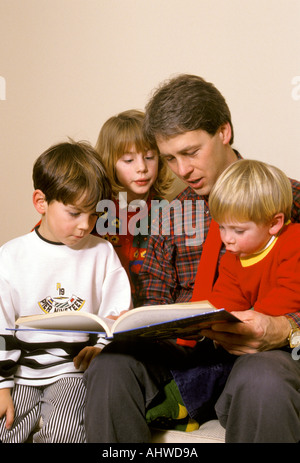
(62, 412)
(27, 413)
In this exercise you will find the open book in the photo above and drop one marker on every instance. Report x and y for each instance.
(159, 321)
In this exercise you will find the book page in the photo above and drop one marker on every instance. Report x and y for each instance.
(74, 321)
(145, 316)
(178, 328)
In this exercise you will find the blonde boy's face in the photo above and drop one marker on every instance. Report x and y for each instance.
(137, 172)
(244, 238)
(66, 224)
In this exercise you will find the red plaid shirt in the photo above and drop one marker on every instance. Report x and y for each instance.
(169, 269)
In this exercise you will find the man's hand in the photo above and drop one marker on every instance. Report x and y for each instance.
(259, 332)
(7, 407)
(85, 356)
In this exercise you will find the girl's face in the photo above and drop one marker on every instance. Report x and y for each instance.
(137, 172)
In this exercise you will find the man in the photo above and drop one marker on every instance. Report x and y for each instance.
(189, 121)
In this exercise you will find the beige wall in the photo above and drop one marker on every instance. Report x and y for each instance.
(68, 65)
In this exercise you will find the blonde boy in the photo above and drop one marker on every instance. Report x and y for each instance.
(251, 201)
(58, 266)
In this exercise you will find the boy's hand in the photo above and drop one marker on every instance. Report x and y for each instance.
(7, 407)
(85, 356)
(115, 317)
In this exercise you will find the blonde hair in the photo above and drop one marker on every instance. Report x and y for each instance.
(251, 190)
(117, 135)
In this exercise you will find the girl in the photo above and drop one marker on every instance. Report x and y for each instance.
(137, 176)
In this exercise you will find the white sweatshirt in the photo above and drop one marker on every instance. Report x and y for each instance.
(37, 276)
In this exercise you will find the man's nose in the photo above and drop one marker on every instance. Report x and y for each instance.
(184, 167)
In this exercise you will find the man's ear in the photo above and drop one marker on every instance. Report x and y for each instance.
(276, 223)
(39, 201)
(225, 133)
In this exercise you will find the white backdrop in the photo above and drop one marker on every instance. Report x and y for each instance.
(68, 65)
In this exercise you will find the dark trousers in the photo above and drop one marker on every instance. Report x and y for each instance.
(122, 381)
(260, 401)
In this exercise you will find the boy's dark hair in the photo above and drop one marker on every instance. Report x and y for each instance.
(182, 104)
(70, 172)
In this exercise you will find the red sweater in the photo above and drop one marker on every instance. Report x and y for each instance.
(130, 243)
(268, 282)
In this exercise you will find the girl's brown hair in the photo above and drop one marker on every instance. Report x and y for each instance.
(117, 135)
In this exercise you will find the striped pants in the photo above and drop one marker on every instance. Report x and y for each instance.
(55, 412)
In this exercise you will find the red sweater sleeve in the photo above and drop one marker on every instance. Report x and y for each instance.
(226, 293)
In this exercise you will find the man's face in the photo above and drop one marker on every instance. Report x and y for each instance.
(197, 157)
(137, 172)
